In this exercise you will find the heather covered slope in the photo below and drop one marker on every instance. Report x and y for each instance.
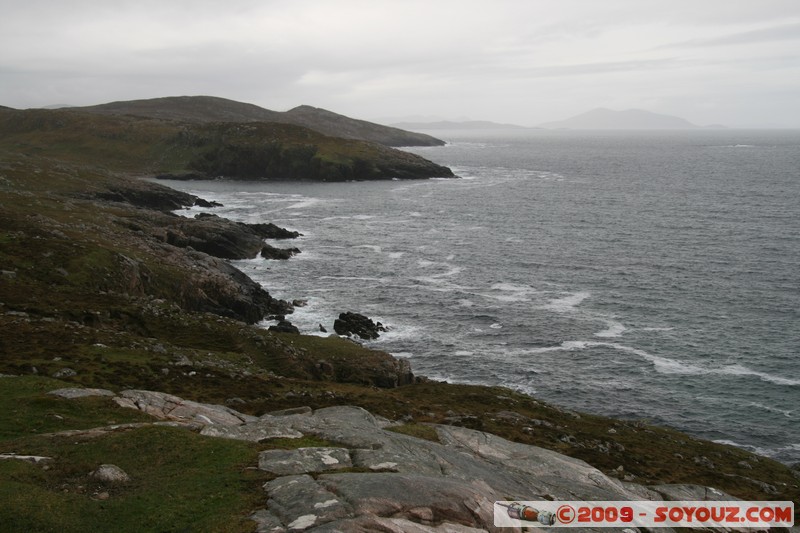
(257, 150)
(200, 109)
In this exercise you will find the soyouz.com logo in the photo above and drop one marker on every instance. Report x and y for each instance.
(689, 514)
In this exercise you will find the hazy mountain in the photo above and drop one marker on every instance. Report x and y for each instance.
(457, 125)
(632, 119)
(204, 109)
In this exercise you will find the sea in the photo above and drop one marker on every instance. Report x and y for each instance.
(644, 275)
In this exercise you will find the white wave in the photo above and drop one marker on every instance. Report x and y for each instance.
(348, 217)
(741, 370)
(396, 255)
(464, 353)
(375, 248)
(614, 329)
(396, 331)
(785, 412)
(568, 303)
(760, 450)
(666, 365)
(355, 278)
(307, 202)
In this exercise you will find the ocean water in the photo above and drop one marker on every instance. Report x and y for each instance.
(641, 275)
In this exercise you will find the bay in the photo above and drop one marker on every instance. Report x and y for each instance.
(643, 275)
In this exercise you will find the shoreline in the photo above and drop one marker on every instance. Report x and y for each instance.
(95, 295)
(571, 300)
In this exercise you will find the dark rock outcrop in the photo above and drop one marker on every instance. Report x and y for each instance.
(356, 324)
(148, 196)
(271, 231)
(284, 326)
(221, 237)
(270, 252)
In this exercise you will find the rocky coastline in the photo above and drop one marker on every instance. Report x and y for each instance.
(222, 425)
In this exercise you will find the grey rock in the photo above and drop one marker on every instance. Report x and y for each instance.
(305, 410)
(72, 393)
(546, 471)
(370, 523)
(300, 502)
(303, 460)
(110, 474)
(253, 432)
(64, 373)
(168, 407)
(687, 492)
(410, 496)
(267, 522)
(29, 458)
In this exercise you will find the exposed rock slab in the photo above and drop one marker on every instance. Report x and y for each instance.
(414, 484)
(254, 432)
(168, 407)
(304, 460)
(72, 393)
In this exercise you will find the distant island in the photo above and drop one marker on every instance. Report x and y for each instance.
(631, 119)
(457, 125)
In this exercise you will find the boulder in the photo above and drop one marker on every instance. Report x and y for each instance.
(284, 326)
(359, 325)
(110, 474)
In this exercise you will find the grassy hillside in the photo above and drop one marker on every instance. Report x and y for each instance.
(255, 150)
(202, 109)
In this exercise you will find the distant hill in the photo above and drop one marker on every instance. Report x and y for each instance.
(632, 119)
(204, 150)
(204, 109)
(457, 125)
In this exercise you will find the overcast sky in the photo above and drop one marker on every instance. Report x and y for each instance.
(735, 62)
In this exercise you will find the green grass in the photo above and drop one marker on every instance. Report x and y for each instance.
(26, 409)
(421, 431)
(180, 481)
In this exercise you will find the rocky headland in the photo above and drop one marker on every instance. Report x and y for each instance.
(140, 393)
